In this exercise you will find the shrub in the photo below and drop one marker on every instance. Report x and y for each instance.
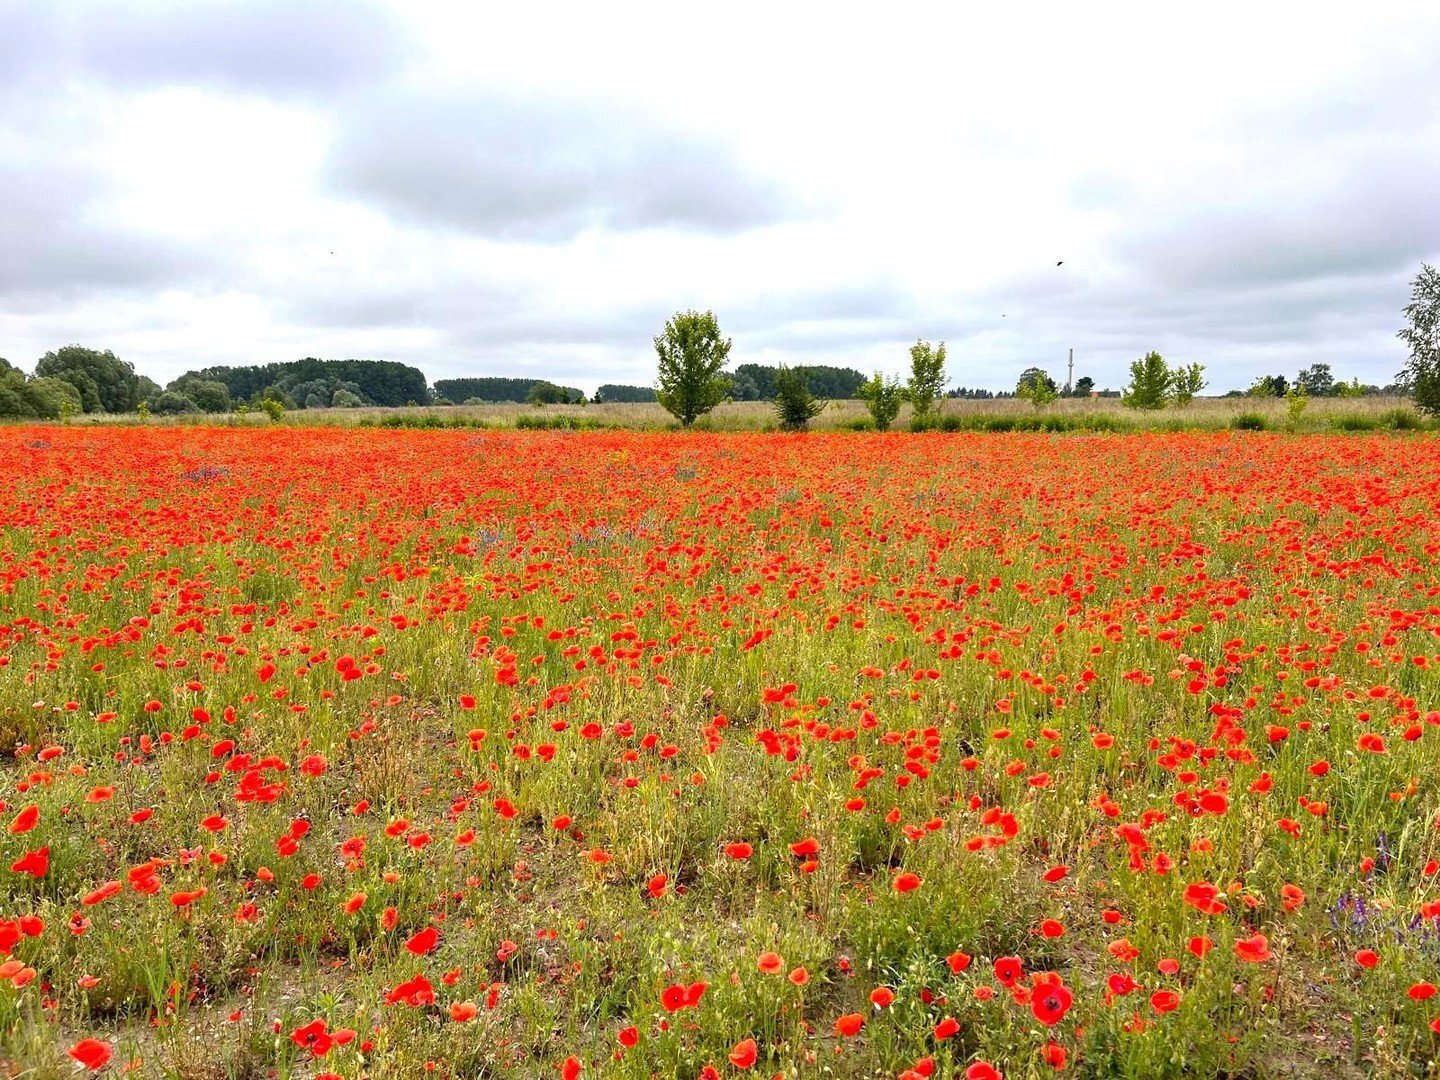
(1249, 421)
(1354, 422)
(795, 406)
(1400, 419)
(170, 403)
(533, 422)
(1295, 402)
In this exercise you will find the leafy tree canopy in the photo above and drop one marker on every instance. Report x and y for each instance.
(377, 382)
(692, 355)
(1422, 336)
(613, 393)
(104, 382)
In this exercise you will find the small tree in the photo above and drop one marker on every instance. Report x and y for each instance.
(794, 404)
(1295, 401)
(883, 397)
(1422, 336)
(927, 378)
(1084, 387)
(692, 354)
(1037, 387)
(1149, 383)
(274, 409)
(1185, 383)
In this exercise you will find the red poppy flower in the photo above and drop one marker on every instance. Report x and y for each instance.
(25, 820)
(35, 863)
(91, 1053)
(1253, 950)
(849, 1025)
(1008, 970)
(1164, 1001)
(744, 1054)
(1051, 1002)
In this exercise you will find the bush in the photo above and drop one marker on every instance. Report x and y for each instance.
(1295, 402)
(1400, 420)
(1354, 422)
(169, 403)
(531, 422)
(795, 406)
(1249, 421)
(49, 398)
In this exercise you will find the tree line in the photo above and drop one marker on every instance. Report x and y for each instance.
(690, 381)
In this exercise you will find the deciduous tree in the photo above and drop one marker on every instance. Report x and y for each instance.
(927, 378)
(1149, 386)
(692, 354)
(794, 404)
(1422, 337)
(883, 398)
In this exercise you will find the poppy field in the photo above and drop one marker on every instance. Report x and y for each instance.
(369, 753)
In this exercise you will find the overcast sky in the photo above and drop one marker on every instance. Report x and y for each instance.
(510, 189)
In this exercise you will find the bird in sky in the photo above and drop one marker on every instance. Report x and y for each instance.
(1060, 263)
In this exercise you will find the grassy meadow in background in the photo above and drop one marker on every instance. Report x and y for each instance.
(367, 753)
(1320, 414)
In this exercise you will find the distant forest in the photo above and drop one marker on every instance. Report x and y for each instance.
(73, 380)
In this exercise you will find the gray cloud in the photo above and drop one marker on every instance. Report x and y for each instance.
(269, 47)
(61, 243)
(531, 170)
(1375, 214)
